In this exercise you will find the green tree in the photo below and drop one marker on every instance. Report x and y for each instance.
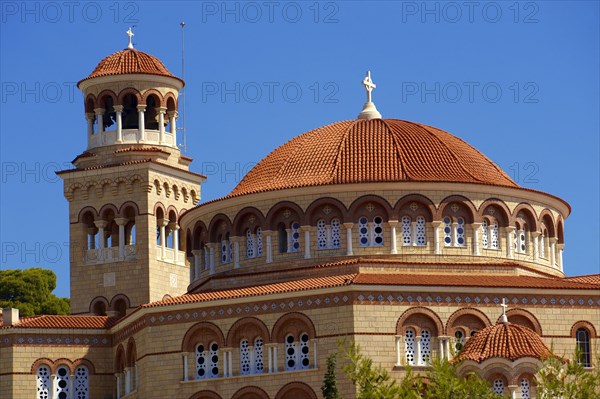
(567, 380)
(445, 383)
(329, 387)
(30, 291)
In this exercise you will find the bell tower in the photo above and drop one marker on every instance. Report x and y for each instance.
(128, 188)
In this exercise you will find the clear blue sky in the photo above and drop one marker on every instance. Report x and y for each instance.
(519, 81)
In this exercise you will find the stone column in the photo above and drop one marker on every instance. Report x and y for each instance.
(172, 117)
(174, 227)
(236, 251)
(127, 380)
(512, 389)
(315, 364)
(393, 224)
(162, 223)
(197, 254)
(476, 246)
(121, 222)
(269, 244)
(306, 230)
(413, 233)
(211, 257)
(561, 248)
(441, 347)
(118, 385)
(510, 246)
(398, 349)
(447, 346)
(418, 350)
(101, 225)
(119, 111)
(553, 241)
(185, 366)
(437, 249)
(91, 239)
(348, 227)
(89, 117)
(99, 119)
(536, 245)
(160, 111)
(141, 128)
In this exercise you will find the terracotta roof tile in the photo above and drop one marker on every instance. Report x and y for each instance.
(140, 149)
(52, 321)
(265, 289)
(504, 340)
(130, 61)
(375, 150)
(587, 279)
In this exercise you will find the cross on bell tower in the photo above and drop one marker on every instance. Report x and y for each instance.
(369, 110)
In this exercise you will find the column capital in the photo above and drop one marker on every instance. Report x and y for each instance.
(267, 232)
(348, 225)
(561, 245)
(212, 245)
(476, 224)
(237, 239)
(162, 222)
(161, 110)
(173, 226)
(141, 107)
(99, 111)
(118, 108)
(510, 229)
(535, 234)
(436, 223)
(172, 114)
(90, 115)
(552, 240)
(121, 221)
(101, 224)
(306, 228)
(392, 223)
(196, 252)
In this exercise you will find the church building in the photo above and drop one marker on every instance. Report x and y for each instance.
(394, 234)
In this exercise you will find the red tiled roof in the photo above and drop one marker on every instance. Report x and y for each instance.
(53, 321)
(265, 289)
(504, 340)
(130, 61)
(140, 149)
(588, 279)
(374, 150)
(458, 280)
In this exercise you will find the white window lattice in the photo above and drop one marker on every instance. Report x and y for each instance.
(409, 346)
(304, 352)
(522, 242)
(377, 231)
(406, 231)
(484, 234)
(206, 259)
(542, 246)
(460, 232)
(321, 234)
(225, 251)
(214, 360)
(61, 383)
(244, 357)
(335, 233)
(447, 231)
(498, 386)
(363, 231)
(43, 382)
(82, 383)
(259, 364)
(295, 247)
(459, 340)
(525, 389)
(425, 346)
(258, 241)
(494, 241)
(249, 245)
(200, 362)
(421, 233)
(290, 353)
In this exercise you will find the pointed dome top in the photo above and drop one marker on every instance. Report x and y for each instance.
(504, 340)
(130, 61)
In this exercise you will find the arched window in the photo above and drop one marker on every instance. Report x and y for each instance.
(454, 233)
(525, 388)
(43, 382)
(520, 238)
(494, 241)
(225, 249)
(61, 383)
(459, 340)
(484, 234)
(425, 346)
(321, 234)
(498, 386)
(295, 238)
(370, 233)
(245, 361)
(207, 361)
(259, 364)
(542, 244)
(82, 383)
(296, 352)
(421, 235)
(582, 337)
(460, 233)
(328, 235)
(409, 346)
(282, 238)
(258, 241)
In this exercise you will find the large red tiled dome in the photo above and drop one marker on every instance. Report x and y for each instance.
(130, 61)
(373, 150)
(504, 340)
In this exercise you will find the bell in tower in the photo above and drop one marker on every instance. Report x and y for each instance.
(128, 189)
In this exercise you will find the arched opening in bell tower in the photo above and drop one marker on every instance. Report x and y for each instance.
(130, 112)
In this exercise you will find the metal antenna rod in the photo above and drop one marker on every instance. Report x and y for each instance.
(184, 145)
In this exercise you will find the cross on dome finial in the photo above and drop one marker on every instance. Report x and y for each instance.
(130, 34)
(504, 304)
(369, 110)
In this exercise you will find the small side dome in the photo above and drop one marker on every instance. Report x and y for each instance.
(130, 61)
(504, 340)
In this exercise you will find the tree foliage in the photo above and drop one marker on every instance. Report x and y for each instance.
(30, 291)
(329, 387)
(567, 380)
(374, 382)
